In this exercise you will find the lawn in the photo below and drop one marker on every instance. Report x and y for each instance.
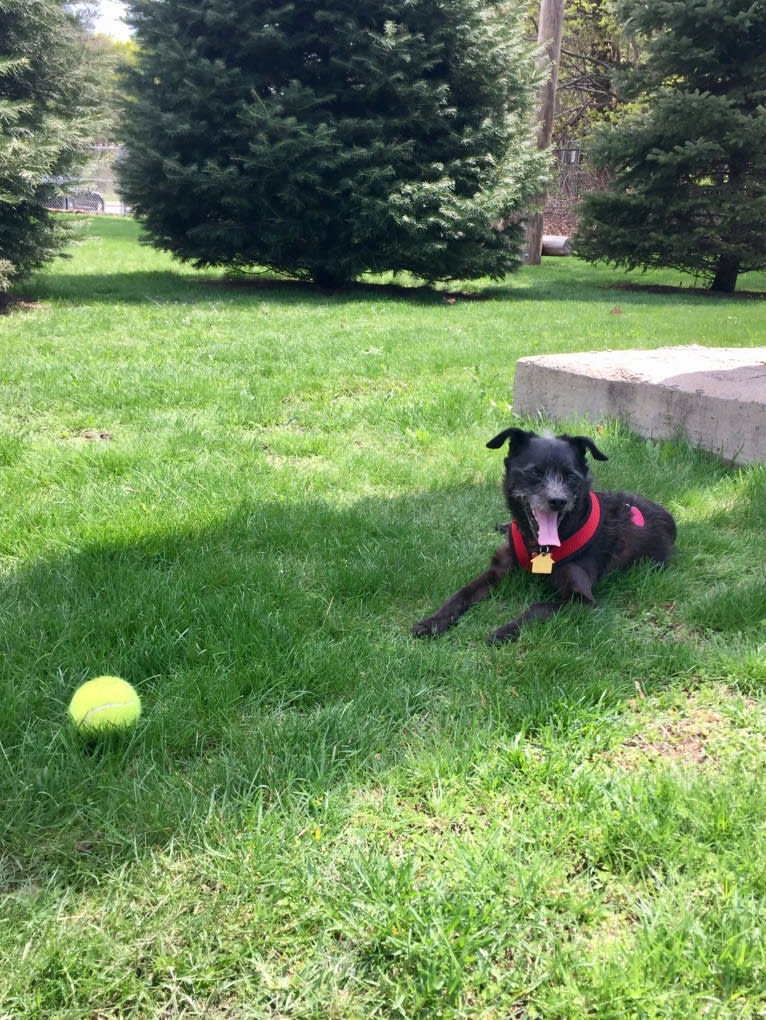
(240, 495)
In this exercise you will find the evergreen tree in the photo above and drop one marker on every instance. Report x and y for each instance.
(325, 138)
(689, 161)
(45, 101)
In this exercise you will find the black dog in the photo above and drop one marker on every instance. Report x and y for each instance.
(561, 528)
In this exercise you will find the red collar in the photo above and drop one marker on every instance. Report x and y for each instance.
(568, 547)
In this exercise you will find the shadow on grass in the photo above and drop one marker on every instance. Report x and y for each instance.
(163, 287)
(166, 287)
(149, 287)
(273, 656)
(697, 292)
(555, 280)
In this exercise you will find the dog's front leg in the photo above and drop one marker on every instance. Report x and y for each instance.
(510, 631)
(571, 581)
(502, 562)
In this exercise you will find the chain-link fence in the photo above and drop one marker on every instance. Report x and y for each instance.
(95, 189)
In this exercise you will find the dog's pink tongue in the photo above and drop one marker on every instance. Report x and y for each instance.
(547, 527)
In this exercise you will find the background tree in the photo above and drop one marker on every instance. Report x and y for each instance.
(593, 49)
(45, 102)
(688, 163)
(107, 58)
(325, 139)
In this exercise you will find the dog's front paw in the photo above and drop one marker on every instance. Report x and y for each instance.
(431, 626)
(509, 632)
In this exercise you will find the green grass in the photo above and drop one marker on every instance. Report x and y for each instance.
(240, 498)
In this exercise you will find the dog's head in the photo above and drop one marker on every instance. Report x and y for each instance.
(546, 481)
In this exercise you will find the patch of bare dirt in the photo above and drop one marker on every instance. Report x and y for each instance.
(693, 733)
(91, 435)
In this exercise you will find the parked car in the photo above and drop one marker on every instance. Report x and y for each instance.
(71, 195)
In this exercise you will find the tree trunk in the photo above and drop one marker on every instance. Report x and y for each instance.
(548, 36)
(726, 273)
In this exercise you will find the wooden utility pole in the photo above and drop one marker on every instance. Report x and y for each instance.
(549, 39)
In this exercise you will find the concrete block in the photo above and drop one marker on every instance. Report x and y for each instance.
(714, 396)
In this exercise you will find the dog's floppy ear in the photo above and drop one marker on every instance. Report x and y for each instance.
(517, 437)
(583, 444)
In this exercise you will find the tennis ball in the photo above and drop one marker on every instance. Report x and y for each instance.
(104, 703)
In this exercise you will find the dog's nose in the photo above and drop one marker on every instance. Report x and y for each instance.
(557, 504)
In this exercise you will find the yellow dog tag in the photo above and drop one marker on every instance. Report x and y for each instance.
(542, 563)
